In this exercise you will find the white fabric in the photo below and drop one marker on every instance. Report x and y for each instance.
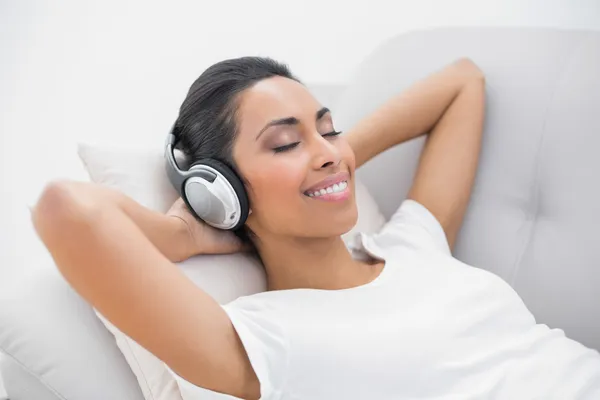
(2, 390)
(429, 327)
(140, 173)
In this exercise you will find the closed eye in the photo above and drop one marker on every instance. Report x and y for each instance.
(290, 146)
(281, 149)
(332, 133)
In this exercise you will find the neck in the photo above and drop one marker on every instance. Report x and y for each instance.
(323, 263)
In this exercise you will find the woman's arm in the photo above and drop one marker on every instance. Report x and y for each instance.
(169, 235)
(450, 105)
(411, 113)
(107, 248)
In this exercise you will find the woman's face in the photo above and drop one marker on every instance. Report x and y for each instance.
(286, 146)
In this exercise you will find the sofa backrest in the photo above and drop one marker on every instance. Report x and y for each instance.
(534, 214)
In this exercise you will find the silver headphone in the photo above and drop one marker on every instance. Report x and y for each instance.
(212, 191)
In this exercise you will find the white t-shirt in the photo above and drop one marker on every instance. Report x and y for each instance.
(429, 327)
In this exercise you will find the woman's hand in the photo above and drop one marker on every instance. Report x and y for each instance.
(204, 239)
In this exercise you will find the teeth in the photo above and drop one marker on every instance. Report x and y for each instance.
(335, 188)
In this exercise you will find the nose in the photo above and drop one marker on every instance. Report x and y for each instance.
(325, 153)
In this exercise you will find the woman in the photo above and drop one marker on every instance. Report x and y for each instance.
(396, 318)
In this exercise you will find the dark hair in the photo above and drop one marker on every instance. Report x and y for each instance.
(206, 126)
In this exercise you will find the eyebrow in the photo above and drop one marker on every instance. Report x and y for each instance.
(291, 121)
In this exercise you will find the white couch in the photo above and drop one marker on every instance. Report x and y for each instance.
(533, 218)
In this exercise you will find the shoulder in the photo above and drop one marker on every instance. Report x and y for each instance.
(257, 312)
(260, 328)
(414, 226)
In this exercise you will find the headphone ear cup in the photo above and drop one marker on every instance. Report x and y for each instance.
(235, 183)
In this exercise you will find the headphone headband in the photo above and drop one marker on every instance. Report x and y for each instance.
(176, 175)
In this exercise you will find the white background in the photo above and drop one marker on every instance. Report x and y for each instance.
(118, 70)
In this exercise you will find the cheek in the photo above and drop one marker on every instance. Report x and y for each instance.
(277, 182)
(348, 155)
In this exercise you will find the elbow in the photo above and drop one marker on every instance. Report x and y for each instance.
(53, 200)
(57, 206)
(471, 69)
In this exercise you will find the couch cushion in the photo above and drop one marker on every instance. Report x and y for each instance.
(535, 209)
(52, 336)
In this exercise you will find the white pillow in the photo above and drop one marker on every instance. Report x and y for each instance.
(140, 174)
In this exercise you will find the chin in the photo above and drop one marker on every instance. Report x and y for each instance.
(343, 225)
(346, 229)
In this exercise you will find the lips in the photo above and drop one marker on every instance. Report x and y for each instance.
(329, 181)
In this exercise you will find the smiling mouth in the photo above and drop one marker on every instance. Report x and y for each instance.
(335, 188)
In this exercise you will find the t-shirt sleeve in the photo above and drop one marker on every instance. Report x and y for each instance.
(414, 225)
(189, 391)
(263, 338)
(264, 343)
